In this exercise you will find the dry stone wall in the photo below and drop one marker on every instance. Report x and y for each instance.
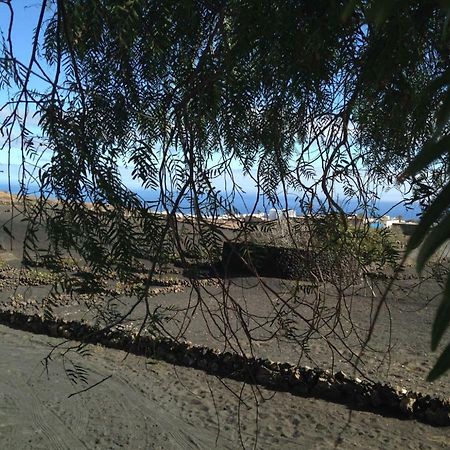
(246, 258)
(302, 381)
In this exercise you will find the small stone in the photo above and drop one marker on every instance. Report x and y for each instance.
(66, 333)
(263, 375)
(324, 389)
(285, 367)
(402, 391)
(203, 363)
(53, 329)
(296, 375)
(437, 416)
(407, 404)
(188, 359)
(340, 376)
(301, 389)
(228, 358)
(170, 357)
(375, 399)
(214, 367)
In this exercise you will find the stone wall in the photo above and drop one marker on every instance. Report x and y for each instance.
(405, 228)
(246, 258)
(274, 375)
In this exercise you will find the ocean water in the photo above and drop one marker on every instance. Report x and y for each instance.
(244, 203)
(394, 209)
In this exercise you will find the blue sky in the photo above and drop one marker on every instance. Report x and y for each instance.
(25, 20)
(26, 15)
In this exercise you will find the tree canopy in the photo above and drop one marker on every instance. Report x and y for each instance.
(325, 99)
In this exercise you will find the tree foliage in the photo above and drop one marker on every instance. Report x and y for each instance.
(312, 97)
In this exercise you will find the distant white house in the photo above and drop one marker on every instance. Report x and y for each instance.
(405, 227)
(290, 213)
(393, 222)
(273, 214)
(257, 216)
(276, 214)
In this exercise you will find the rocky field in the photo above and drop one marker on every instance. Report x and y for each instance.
(146, 403)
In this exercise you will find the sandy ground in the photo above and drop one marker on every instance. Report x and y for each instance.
(148, 404)
(151, 405)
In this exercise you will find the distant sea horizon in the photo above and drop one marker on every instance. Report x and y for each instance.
(395, 209)
(245, 203)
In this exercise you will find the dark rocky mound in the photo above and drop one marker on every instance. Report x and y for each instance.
(246, 258)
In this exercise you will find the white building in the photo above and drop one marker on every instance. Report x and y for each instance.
(273, 214)
(276, 214)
